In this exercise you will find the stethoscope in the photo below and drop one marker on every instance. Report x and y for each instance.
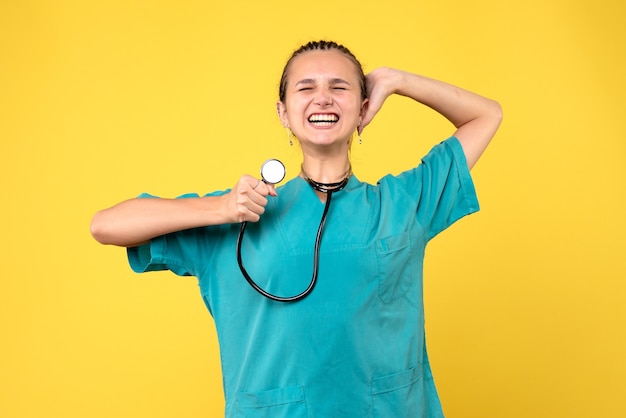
(273, 172)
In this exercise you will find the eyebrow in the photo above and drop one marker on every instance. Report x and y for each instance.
(331, 81)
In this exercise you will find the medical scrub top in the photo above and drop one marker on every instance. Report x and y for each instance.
(355, 346)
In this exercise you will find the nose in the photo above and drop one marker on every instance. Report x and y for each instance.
(323, 97)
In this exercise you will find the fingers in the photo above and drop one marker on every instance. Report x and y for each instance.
(264, 189)
(271, 190)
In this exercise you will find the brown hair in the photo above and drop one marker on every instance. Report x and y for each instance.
(321, 46)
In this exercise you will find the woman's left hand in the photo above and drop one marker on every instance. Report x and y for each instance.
(380, 84)
(475, 117)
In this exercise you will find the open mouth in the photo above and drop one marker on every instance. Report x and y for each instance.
(323, 119)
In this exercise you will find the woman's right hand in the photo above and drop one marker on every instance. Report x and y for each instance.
(247, 200)
(136, 221)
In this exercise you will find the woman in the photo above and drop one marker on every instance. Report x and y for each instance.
(355, 345)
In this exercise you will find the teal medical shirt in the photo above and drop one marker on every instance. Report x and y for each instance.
(355, 346)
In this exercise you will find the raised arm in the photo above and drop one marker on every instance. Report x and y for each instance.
(475, 117)
(136, 221)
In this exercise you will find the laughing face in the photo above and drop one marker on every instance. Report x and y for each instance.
(323, 103)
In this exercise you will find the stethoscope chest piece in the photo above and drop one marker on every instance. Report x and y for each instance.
(273, 171)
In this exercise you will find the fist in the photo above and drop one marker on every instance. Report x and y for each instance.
(247, 200)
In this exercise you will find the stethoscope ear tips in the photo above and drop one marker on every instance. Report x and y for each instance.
(273, 171)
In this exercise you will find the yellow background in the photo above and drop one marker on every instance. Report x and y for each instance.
(100, 101)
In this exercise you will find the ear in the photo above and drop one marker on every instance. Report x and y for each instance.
(364, 106)
(282, 113)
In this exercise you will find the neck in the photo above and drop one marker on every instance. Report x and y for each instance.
(326, 170)
(323, 187)
(338, 181)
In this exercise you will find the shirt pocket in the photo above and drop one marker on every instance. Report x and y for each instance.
(398, 395)
(284, 402)
(396, 267)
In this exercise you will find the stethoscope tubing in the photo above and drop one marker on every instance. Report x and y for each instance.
(316, 254)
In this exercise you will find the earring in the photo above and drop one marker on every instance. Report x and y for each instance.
(289, 137)
(355, 135)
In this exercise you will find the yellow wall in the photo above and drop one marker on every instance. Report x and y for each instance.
(100, 101)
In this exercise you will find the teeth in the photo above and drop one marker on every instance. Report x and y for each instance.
(327, 118)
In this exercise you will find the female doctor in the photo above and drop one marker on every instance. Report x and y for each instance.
(354, 346)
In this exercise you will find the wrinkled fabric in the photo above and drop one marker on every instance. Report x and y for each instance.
(355, 347)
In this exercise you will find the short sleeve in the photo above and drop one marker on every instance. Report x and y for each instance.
(166, 252)
(180, 252)
(442, 186)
